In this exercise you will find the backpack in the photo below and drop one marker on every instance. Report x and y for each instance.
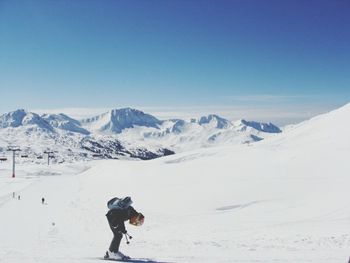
(119, 203)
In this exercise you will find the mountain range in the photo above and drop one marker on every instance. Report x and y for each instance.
(121, 133)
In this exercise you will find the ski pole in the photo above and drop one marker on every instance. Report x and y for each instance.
(130, 237)
(127, 240)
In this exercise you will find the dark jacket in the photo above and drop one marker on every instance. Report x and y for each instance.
(116, 218)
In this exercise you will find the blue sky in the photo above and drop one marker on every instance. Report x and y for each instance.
(180, 53)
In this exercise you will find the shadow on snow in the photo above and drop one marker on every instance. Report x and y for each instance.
(136, 260)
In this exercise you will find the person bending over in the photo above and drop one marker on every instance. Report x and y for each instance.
(120, 210)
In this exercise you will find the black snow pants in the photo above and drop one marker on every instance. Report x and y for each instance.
(114, 247)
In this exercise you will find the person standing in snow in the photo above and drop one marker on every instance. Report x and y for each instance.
(120, 210)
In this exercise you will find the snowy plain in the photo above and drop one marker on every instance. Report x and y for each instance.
(283, 199)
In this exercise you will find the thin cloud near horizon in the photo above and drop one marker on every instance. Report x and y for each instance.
(266, 98)
(279, 115)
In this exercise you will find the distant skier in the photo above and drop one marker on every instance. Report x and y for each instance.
(120, 210)
(43, 200)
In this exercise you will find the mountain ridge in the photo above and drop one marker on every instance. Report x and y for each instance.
(124, 132)
(116, 120)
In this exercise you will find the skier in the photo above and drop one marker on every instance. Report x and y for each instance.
(120, 210)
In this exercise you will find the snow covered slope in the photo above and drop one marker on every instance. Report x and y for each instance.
(332, 128)
(284, 199)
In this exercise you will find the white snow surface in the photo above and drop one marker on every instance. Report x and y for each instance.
(284, 199)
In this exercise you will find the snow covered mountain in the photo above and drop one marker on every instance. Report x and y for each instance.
(123, 132)
(25, 119)
(259, 126)
(206, 131)
(62, 121)
(34, 134)
(117, 120)
(214, 121)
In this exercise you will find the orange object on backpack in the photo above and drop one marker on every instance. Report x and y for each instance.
(137, 220)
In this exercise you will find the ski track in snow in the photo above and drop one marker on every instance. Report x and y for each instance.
(239, 206)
